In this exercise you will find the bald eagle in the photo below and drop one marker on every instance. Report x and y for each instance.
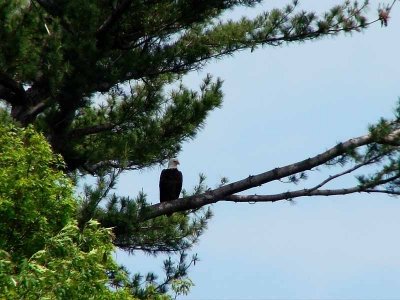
(170, 182)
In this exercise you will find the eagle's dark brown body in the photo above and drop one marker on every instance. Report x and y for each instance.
(170, 184)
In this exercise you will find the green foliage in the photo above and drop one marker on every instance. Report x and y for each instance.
(163, 234)
(43, 253)
(136, 120)
(101, 80)
(35, 195)
(146, 287)
(181, 287)
(72, 265)
(175, 233)
(57, 56)
(31, 51)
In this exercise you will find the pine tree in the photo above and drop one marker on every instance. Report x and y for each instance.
(58, 58)
(102, 81)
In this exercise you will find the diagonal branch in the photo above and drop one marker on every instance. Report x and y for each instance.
(310, 192)
(348, 171)
(213, 196)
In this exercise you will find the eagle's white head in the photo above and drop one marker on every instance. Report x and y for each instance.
(173, 163)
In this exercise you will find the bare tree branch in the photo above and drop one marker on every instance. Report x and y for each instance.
(302, 193)
(37, 109)
(348, 171)
(394, 193)
(222, 193)
(310, 192)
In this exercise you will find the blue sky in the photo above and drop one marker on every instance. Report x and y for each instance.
(282, 105)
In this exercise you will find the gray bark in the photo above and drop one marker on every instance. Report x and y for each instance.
(227, 192)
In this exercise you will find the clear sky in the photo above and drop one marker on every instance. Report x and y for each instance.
(282, 105)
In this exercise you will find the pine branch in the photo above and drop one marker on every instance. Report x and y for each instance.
(148, 249)
(98, 128)
(348, 171)
(180, 272)
(223, 192)
(131, 166)
(93, 197)
(257, 33)
(312, 192)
